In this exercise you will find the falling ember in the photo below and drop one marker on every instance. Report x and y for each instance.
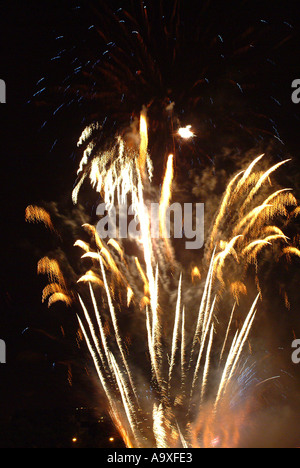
(129, 296)
(193, 369)
(195, 275)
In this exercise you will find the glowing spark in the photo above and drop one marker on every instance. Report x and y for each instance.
(224, 206)
(235, 351)
(51, 289)
(129, 296)
(128, 406)
(247, 174)
(183, 348)
(203, 308)
(238, 288)
(195, 274)
(221, 257)
(186, 132)
(227, 333)
(159, 426)
(207, 363)
(143, 276)
(117, 247)
(116, 327)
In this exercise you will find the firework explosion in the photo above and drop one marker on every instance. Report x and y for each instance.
(171, 340)
(197, 373)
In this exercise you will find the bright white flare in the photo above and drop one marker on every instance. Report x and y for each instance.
(186, 132)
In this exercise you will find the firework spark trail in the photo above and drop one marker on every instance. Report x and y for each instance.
(263, 178)
(183, 350)
(175, 332)
(235, 352)
(207, 364)
(100, 326)
(127, 403)
(164, 205)
(144, 142)
(227, 333)
(205, 331)
(116, 328)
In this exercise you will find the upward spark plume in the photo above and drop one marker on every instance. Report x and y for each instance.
(144, 142)
(190, 376)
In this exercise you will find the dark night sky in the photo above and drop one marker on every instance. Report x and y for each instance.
(32, 173)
